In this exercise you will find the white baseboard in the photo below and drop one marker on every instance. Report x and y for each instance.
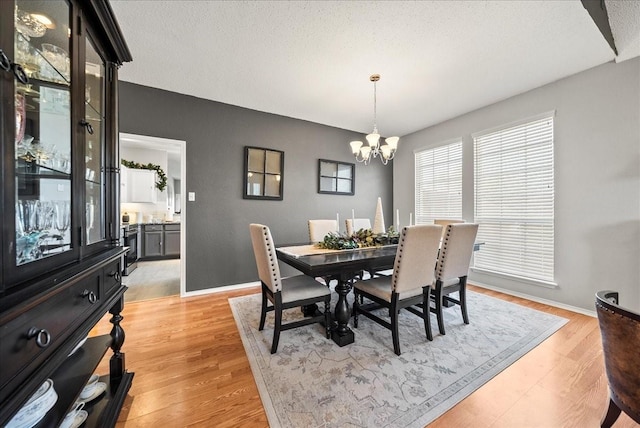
(220, 289)
(536, 299)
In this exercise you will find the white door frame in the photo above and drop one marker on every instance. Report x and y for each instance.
(156, 143)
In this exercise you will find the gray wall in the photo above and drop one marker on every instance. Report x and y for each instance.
(218, 243)
(597, 179)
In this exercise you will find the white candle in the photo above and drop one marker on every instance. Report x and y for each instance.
(353, 220)
(397, 219)
(410, 219)
(338, 222)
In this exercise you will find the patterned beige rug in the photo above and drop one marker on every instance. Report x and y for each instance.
(312, 382)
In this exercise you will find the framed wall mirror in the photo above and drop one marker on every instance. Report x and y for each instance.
(263, 173)
(336, 178)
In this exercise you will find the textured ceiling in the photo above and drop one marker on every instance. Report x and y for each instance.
(312, 60)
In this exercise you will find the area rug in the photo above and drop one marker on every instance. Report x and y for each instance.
(312, 382)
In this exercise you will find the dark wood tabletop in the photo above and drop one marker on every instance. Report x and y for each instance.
(341, 262)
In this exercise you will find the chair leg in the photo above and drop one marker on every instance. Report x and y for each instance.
(276, 328)
(327, 317)
(426, 311)
(438, 303)
(263, 313)
(613, 411)
(463, 299)
(356, 306)
(394, 325)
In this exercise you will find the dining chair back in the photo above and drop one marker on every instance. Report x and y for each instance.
(413, 267)
(452, 268)
(264, 252)
(620, 332)
(318, 229)
(444, 222)
(284, 293)
(408, 287)
(359, 223)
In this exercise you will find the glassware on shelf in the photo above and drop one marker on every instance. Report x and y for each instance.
(56, 64)
(27, 236)
(62, 213)
(21, 117)
(27, 25)
(27, 56)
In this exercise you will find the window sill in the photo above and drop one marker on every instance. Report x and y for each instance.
(521, 279)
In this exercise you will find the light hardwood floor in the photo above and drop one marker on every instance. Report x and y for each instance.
(191, 370)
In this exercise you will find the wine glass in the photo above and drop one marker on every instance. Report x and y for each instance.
(44, 224)
(62, 219)
(26, 227)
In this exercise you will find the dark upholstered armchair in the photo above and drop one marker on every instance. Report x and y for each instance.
(620, 330)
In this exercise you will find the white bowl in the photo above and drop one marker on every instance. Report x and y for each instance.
(36, 407)
(90, 387)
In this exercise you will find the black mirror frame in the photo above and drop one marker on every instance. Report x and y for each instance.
(245, 194)
(331, 192)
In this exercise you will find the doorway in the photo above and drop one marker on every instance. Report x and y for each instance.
(157, 277)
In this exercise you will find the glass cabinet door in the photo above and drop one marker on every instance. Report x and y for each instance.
(94, 91)
(43, 155)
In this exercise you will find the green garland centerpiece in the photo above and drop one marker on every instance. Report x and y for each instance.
(361, 239)
(161, 184)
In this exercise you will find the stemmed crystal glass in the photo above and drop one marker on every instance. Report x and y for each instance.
(62, 216)
(44, 222)
(26, 230)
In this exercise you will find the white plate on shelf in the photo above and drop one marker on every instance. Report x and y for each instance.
(78, 346)
(100, 388)
(80, 418)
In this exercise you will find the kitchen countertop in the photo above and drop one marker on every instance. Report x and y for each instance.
(150, 223)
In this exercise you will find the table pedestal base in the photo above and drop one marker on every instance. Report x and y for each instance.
(341, 340)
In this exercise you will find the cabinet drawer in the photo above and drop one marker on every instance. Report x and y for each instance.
(112, 276)
(153, 228)
(171, 227)
(51, 321)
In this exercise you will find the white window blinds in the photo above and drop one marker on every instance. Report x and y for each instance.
(514, 191)
(439, 183)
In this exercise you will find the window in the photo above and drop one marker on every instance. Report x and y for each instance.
(439, 182)
(514, 191)
(336, 178)
(263, 173)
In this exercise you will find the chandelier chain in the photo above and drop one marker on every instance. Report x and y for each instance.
(375, 109)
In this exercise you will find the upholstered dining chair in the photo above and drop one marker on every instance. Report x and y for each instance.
(284, 293)
(452, 269)
(360, 223)
(444, 222)
(620, 331)
(318, 229)
(413, 274)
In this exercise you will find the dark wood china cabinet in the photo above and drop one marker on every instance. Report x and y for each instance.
(60, 252)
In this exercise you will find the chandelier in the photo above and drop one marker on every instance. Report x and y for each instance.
(364, 153)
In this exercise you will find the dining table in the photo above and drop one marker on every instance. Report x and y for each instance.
(344, 266)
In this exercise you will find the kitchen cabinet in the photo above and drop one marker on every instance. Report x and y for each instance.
(152, 241)
(161, 241)
(172, 240)
(142, 185)
(61, 257)
(124, 184)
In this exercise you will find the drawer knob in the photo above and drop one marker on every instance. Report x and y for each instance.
(90, 295)
(43, 338)
(115, 275)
